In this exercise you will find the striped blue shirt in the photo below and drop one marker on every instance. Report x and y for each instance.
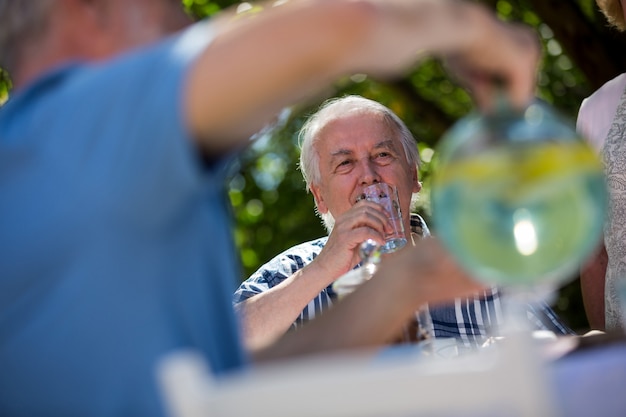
(470, 320)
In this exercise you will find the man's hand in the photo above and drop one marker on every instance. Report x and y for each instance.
(487, 72)
(365, 220)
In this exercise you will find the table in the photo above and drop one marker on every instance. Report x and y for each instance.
(515, 379)
(591, 382)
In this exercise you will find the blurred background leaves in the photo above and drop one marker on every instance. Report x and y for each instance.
(271, 207)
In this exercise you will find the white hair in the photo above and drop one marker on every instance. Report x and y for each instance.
(334, 109)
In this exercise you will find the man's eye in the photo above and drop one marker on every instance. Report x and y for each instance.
(384, 156)
(343, 165)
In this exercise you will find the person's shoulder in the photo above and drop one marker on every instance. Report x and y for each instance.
(41, 85)
(609, 94)
(310, 248)
(618, 82)
(596, 112)
(289, 261)
(301, 253)
(419, 226)
(192, 40)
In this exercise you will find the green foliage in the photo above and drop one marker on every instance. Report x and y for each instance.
(205, 8)
(272, 209)
(5, 86)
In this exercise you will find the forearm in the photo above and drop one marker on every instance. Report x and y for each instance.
(592, 282)
(292, 52)
(268, 315)
(343, 326)
(378, 309)
(256, 67)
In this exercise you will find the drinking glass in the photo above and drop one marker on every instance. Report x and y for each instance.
(370, 253)
(387, 196)
(420, 327)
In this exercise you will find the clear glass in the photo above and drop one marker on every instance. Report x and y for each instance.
(370, 253)
(387, 196)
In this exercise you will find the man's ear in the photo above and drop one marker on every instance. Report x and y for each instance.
(319, 200)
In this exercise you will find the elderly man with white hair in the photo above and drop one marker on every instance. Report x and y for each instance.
(350, 143)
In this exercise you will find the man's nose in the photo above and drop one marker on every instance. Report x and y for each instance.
(368, 173)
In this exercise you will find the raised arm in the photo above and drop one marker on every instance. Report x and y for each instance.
(257, 65)
(268, 315)
(377, 310)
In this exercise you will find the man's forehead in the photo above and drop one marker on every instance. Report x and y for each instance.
(336, 149)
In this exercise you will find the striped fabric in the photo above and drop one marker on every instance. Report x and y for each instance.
(470, 320)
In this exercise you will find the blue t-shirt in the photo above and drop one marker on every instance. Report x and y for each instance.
(115, 239)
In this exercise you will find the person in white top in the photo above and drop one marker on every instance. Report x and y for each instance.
(602, 120)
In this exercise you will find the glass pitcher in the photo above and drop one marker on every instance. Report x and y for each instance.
(518, 197)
